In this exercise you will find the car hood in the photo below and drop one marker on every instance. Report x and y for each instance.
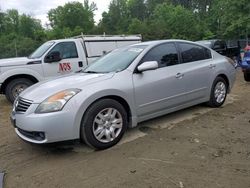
(42, 90)
(14, 61)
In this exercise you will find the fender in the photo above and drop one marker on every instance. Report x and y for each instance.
(14, 71)
(91, 98)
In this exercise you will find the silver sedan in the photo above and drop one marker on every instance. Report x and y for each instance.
(121, 89)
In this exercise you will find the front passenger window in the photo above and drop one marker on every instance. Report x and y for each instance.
(164, 54)
(66, 49)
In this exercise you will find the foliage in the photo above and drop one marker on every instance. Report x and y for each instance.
(154, 19)
(71, 16)
(19, 34)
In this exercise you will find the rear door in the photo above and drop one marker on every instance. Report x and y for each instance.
(70, 60)
(198, 69)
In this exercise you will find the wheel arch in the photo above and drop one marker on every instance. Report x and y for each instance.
(9, 79)
(119, 99)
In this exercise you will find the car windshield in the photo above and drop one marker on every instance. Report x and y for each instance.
(116, 60)
(41, 50)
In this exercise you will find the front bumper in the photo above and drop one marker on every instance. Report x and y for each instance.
(45, 128)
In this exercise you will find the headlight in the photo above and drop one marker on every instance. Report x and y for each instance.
(56, 102)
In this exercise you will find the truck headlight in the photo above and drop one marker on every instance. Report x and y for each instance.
(57, 101)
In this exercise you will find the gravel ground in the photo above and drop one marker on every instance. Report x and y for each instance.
(196, 147)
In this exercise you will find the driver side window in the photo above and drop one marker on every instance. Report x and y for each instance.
(66, 49)
(164, 54)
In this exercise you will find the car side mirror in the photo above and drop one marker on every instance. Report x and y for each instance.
(53, 57)
(148, 65)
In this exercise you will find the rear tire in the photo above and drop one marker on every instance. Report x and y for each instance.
(104, 124)
(247, 77)
(15, 87)
(218, 93)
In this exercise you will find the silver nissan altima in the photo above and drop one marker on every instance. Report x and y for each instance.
(127, 86)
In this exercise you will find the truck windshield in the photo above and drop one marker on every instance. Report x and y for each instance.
(206, 43)
(116, 60)
(41, 50)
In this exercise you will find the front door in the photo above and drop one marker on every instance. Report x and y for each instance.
(163, 88)
(69, 60)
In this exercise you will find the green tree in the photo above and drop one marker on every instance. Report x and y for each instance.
(171, 21)
(73, 15)
(11, 21)
(29, 26)
(137, 9)
(117, 19)
(19, 34)
(232, 18)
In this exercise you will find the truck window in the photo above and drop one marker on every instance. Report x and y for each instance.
(41, 50)
(219, 45)
(67, 50)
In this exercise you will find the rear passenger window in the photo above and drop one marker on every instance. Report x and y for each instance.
(192, 52)
(164, 54)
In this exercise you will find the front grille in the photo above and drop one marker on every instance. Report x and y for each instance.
(22, 105)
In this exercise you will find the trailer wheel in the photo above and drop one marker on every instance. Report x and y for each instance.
(247, 76)
(15, 87)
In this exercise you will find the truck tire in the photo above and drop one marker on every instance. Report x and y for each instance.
(104, 124)
(15, 87)
(247, 76)
(218, 93)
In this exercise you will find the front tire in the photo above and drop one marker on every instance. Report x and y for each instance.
(247, 77)
(15, 87)
(104, 124)
(218, 93)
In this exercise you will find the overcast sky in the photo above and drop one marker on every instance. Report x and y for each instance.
(40, 8)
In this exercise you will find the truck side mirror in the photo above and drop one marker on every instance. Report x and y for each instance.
(53, 57)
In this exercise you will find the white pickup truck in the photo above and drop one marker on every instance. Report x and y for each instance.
(56, 58)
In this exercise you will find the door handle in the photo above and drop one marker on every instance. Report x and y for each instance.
(179, 75)
(211, 66)
(80, 64)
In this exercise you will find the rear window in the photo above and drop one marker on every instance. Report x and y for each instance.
(192, 52)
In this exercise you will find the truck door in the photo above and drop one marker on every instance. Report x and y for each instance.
(69, 62)
(220, 47)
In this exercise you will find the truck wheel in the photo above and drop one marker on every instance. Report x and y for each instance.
(15, 87)
(218, 93)
(104, 124)
(247, 76)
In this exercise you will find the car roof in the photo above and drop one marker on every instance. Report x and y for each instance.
(156, 42)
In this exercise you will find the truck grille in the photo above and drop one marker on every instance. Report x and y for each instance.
(22, 105)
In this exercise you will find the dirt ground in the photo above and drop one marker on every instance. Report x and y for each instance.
(197, 147)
